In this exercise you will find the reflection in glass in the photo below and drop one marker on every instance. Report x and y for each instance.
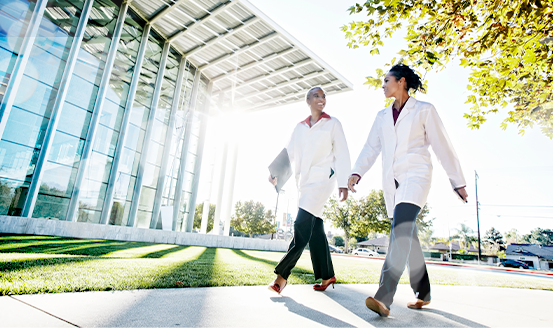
(33, 105)
(14, 21)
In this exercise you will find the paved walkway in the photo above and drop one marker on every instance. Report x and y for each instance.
(298, 306)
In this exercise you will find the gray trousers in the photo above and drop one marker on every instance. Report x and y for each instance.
(404, 250)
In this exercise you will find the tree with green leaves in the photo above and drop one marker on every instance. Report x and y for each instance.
(507, 45)
(198, 214)
(251, 218)
(339, 215)
(337, 241)
(539, 236)
(370, 215)
(493, 240)
(512, 237)
(464, 235)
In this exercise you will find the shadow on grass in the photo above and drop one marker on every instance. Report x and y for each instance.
(309, 313)
(193, 273)
(163, 252)
(305, 276)
(69, 246)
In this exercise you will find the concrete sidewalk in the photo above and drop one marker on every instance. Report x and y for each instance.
(298, 306)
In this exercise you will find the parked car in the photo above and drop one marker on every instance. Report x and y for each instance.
(513, 264)
(334, 249)
(365, 252)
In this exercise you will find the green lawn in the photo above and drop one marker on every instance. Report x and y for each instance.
(38, 264)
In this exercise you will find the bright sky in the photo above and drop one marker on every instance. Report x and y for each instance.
(516, 172)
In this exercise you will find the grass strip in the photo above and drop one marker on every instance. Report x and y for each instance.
(37, 264)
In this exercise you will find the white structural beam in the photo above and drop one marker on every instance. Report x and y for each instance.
(222, 37)
(287, 83)
(247, 47)
(199, 22)
(253, 64)
(282, 70)
(165, 11)
(293, 94)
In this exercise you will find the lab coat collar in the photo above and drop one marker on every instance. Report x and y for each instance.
(409, 104)
(308, 119)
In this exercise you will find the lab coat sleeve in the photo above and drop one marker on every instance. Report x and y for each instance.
(370, 151)
(342, 161)
(439, 140)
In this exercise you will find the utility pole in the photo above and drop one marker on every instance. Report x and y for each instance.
(477, 214)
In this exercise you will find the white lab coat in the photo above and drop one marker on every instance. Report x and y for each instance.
(405, 154)
(313, 153)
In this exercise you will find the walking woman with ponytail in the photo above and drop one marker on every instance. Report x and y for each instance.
(403, 132)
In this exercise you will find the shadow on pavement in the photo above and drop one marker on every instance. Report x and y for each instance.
(400, 315)
(309, 313)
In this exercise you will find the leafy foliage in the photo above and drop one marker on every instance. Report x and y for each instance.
(337, 241)
(493, 236)
(198, 214)
(340, 217)
(251, 218)
(507, 44)
(465, 235)
(539, 236)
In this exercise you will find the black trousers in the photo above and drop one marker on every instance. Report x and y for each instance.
(404, 249)
(308, 229)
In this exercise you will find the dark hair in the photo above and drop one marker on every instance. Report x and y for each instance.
(412, 80)
(308, 94)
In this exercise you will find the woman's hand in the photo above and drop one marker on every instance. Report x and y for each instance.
(463, 193)
(343, 194)
(272, 180)
(352, 182)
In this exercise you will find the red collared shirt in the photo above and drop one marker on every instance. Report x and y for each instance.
(308, 119)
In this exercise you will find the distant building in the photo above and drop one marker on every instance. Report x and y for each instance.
(380, 245)
(539, 257)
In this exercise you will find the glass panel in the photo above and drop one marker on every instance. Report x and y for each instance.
(14, 20)
(34, 127)
(99, 168)
(89, 216)
(57, 180)
(92, 195)
(112, 115)
(74, 120)
(105, 140)
(121, 186)
(12, 196)
(81, 93)
(37, 93)
(50, 207)
(147, 196)
(158, 132)
(117, 211)
(190, 163)
(185, 200)
(188, 179)
(151, 174)
(132, 185)
(17, 162)
(66, 149)
(155, 154)
(143, 219)
(127, 51)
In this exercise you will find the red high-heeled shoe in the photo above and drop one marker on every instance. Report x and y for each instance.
(276, 287)
(322, 288)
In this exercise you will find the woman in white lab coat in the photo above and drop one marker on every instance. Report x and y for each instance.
(320, 158)
(403, 132)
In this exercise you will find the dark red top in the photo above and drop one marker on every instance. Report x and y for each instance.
(396, 112)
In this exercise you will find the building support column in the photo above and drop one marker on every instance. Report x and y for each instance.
(147, 136)
(167, 147)
(220, 190)
(96, 114)
(199, 156)
(230, 188)
(56, 111)
(110, 190)
(21, 63)
(207, 203)
(185, 146)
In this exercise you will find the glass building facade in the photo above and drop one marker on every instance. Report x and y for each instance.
(101, 117)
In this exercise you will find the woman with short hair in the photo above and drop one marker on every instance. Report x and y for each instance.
(319, 155)
(403, 132)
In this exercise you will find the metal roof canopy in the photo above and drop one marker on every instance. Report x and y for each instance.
(249, 58)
